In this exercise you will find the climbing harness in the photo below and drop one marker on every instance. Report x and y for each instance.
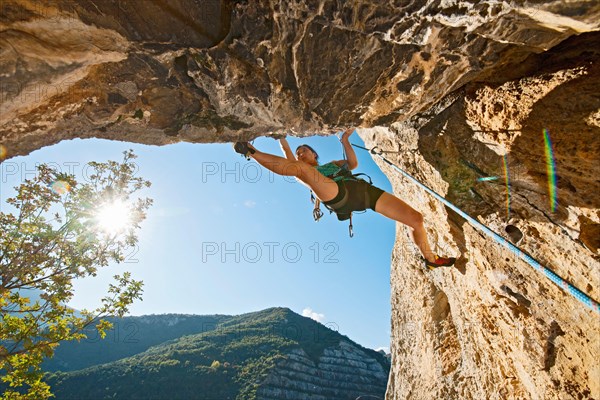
(562, 283)
(317, 213)
(343, 174)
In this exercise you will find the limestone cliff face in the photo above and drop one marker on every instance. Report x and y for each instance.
(453, 90)
(494, 327)
(342, 372)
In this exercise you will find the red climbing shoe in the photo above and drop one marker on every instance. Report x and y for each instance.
(243, 148)
(440, 262)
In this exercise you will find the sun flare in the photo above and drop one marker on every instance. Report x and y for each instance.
(114, 217)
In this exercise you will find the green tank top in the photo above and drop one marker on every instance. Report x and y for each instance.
(329, 170)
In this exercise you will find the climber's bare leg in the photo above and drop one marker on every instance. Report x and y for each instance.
(324, 188)
(396, 209)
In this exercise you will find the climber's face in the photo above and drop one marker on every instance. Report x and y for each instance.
(306, 154)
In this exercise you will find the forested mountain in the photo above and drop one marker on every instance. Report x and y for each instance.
(129, 336)
(270, 354)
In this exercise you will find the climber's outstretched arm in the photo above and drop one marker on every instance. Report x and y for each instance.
(351, 159)
(324, 188)
(287, 151)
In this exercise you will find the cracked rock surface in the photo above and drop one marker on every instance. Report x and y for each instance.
(456, 91)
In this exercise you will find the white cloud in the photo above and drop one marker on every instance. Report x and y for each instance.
(250, 203)
(308, 312)
(386, 349)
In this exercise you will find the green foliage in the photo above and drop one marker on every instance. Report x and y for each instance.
(254, 372)
(53, 238)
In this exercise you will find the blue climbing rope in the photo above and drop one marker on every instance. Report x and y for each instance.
(562, 283)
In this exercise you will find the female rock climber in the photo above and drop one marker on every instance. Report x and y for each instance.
(332, 184)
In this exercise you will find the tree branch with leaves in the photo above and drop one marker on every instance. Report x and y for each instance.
(54, 236)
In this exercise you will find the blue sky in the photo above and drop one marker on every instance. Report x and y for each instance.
(226, 236)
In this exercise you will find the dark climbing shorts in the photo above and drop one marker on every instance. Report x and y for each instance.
(353, 195)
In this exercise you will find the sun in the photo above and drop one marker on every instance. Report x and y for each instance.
(113, 217)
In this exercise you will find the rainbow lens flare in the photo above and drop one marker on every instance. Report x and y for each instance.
(550, 169)
(487, 178)
(507, 183)
(60, 187)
